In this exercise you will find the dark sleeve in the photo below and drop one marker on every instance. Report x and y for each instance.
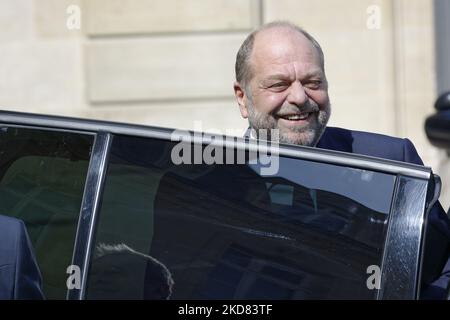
(27, 281)
(436, 260)
(410, 153)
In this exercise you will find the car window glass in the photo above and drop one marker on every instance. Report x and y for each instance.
(197, 231)
(312, 175)
(42, 177)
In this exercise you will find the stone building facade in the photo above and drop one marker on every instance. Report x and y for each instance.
(171, 62)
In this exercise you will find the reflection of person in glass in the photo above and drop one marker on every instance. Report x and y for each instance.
(118, 272)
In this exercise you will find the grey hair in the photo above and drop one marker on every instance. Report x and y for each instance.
(103, 249)
(242, 66)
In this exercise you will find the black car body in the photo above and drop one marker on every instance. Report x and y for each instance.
(111, 215)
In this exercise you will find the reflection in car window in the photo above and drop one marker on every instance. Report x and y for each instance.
(312, 175)
(42, 181)
(116, 267)
(227, 232)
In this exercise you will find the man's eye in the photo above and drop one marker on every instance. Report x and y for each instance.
(314, 84)
(278, 85)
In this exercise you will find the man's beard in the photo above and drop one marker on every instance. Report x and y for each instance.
(305, 136)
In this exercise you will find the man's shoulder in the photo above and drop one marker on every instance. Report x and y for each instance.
(369, 143)
(355, 135)
(20, 277)
(10, 233)
(9, 225)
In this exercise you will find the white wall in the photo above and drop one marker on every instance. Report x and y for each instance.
(170, 63)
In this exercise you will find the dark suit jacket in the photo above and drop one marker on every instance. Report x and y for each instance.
(19, 273)
(436, 273)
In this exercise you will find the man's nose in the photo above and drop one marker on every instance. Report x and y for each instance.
(297, 94)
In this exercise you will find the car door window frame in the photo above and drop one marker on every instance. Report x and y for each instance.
(89, 210)
(399, 276)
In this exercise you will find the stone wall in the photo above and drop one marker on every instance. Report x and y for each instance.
(171, 62)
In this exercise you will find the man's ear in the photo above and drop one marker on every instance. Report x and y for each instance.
(241, 99)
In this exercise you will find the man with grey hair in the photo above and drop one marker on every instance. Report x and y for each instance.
(281, 85)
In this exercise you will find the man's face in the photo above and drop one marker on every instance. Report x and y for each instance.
(288, 88)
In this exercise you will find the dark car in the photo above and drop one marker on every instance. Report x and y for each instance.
(118, 211)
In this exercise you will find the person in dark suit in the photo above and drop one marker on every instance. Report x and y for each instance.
(20, 277)
(281, 85)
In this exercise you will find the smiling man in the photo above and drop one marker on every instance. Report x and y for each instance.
(281, 84)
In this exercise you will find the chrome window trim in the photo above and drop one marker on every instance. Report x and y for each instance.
(89, 210)
(302, 152)
(34, 127)
(402, 250)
